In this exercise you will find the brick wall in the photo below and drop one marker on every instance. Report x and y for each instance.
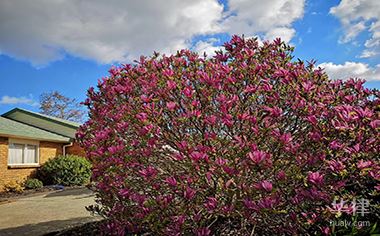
(47, 151)
(75, 149)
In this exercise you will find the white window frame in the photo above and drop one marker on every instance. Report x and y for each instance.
(25, 143)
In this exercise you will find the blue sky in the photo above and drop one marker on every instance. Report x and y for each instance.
(69, 45)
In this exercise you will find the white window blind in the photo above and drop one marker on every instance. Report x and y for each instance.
(22, 153)
(16, 153)
(30, 156)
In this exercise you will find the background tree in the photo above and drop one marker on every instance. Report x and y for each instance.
(57, 105)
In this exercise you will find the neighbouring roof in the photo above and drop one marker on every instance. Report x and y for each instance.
(11, 128)
(52, 124)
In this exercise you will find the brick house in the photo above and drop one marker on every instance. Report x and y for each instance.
(28, 139)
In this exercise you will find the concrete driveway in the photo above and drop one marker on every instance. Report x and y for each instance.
(46, 212)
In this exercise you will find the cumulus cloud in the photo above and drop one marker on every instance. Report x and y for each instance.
(42, 31)
(358, 16)
(207, 46)
(351, 70)
(284, 33)
(9, 100)
(273, 18)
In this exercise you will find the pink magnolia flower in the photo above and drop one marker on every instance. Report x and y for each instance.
(189, 193)
(183, 145)
(281, 175)
(115, 149)
(168, 72)
(336, 166)
(221, 98)
(267, 202)
(266, 87)
(142, 116)
(171, 181)
(188, 92)
(308, 86)
(145, 98)
(335, 145)
(171, 105)
(204, 231)
(375, 124)
(375, 173)
(312, 119)
(364, 164)
(220, 161)
(377, 187)
(101, 135)
(315, 178)
(249, 204)
(273, 112)
(211, 119)
(149, 172)
(265, 185)
(211, 203)
(196, 156)
(146, 129)
(250, 89)
(286, 138)
(363, 113)
(171, 84)
(354, 149)
(195, 113)
(315, 136)
(124, 192)
(326, 230)
(257, 156)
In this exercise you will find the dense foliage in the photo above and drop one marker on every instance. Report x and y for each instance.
(249, 141)
(33, 184)
(14, 187)
(68, 170)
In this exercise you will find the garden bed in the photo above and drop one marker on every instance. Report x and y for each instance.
(90, 229)
(222, 227)
(5, 196)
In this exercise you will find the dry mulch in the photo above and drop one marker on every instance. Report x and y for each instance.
(88, 229)
(5, 196)
(8, 196)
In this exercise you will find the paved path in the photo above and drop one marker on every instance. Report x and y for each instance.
(46, 212)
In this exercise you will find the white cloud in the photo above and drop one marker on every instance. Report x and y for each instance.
(42, 31)
(273, 18)
(367, 53)
(207, 46)
(284, 33)
(358, 16)
(351, 70)
(8, 100)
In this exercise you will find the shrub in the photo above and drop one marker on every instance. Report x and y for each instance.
(249, 141)
(68, 170)
(33, 184)
(14, 187)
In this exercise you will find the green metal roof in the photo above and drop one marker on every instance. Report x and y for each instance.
(11, 128)
(46, 117)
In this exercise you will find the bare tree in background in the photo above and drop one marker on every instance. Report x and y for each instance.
(58, 105)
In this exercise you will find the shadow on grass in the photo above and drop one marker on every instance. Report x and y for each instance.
(45, 228)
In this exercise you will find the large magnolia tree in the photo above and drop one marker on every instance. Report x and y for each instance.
(247, 142)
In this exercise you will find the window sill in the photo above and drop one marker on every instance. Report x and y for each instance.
(20, 166)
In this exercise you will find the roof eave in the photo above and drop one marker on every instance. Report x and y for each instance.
(39, 139)
(38, 116)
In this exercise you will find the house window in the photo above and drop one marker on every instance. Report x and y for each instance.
(22, 153)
